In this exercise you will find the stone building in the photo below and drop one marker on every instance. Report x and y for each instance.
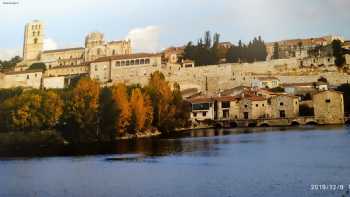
(202, 109)
(133, 68)
(283, 106)
(328, 107)
(26, 79)
(266, 82)
(227, 107)
(67, 70)
(253, 107)
(95, 47)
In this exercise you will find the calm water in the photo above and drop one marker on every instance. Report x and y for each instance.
(203, 163)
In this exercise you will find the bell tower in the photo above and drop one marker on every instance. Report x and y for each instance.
(33, 40)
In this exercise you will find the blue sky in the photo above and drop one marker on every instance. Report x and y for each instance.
(156, 24)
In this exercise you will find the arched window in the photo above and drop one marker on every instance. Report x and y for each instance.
(38, 33)
(113, 52)
(35, 40)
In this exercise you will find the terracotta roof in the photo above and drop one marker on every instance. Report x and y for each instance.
(127, 56)
(62, 50)
(201, 99)
(226, 98)
(188, 61)
(298, 84)
(256, 98)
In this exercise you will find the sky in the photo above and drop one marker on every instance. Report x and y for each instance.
(153, 25)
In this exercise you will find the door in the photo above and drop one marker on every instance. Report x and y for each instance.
(246, 115)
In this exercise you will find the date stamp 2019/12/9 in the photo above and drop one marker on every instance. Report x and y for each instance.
(329, 187)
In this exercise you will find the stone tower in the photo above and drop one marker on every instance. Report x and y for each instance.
(33, 40)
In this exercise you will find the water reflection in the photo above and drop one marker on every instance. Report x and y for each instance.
(204, 140)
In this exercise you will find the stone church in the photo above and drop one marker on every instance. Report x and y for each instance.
(95, 47)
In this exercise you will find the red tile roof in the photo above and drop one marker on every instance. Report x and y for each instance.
(127, 56)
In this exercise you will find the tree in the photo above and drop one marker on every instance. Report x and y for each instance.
(141, 110)
(82, 110)
(276, 51)
(161, 96)
(51, 109)
(10, 64)
(108, 115)
(38, 65)
(120, 98)
(338, 53)
(345, 89)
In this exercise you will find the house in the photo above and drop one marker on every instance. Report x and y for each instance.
(303, 88)
(266, 82)
(202, 109)
(284, 106)
(253, 107)
(328, 107)
(234, 91)
(227, 107)
(187, 63)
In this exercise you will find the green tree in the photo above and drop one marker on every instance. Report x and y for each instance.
(82, 111)
(338, 53)
(38, 65)
(276, 49)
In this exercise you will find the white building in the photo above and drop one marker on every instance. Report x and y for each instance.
(266, 82)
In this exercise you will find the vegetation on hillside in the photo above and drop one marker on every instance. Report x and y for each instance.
(9, 64)
(208, 51)
(88, 113)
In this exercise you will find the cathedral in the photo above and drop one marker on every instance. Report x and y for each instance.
(95, 47)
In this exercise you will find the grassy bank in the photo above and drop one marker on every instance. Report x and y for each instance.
(37, 138)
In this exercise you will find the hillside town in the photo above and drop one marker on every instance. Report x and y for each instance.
(294, 83)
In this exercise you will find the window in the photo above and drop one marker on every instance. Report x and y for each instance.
(33, 33)
(142, 61)
(132, 62)
(96, 69)
(38, 33)
(35, 40)
(282, 114)
(281, 104)
(123, 63)
(27, 76)
(194, 114)
(257, 105)
(137, 62)
(246, 106)
(263, 105)
(226, 113)
(127, 62)
(328, 100)
(204, 114)
(225, 104)
(98, 51)
(113, 52)
(117, 63)
(200, 106)
(147, 61)
(36, 75)
(246, 115)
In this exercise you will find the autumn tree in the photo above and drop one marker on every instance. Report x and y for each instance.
(82, 110)
(51, 109)
(121, 101)
(162, 97)
(108, 115)
(141, 109)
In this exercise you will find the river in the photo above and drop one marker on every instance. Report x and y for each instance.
(203, 163)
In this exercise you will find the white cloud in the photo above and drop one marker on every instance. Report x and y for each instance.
(145, 39)
(49, 44)
(6, 54)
